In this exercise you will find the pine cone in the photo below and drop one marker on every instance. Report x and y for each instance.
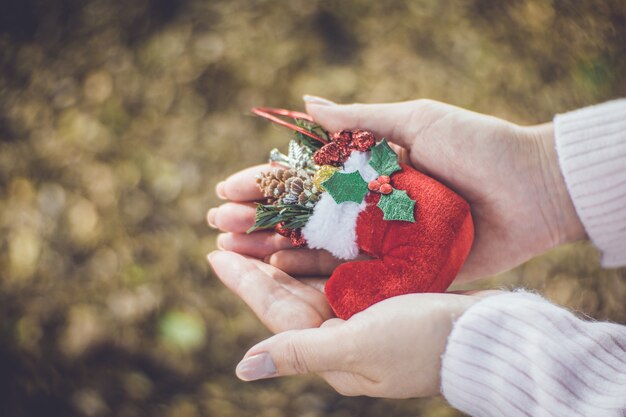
(294, 185)
(300, 190)
(272, 183)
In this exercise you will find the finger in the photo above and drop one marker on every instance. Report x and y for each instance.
(242, 186)
(318, 284)
(290, 282)
(394, 121)
(232, 217)
(295, 352)
(258, 245)
(307, 290)
(479, 293)
(333, 322)
(272, 297)
(306, 262)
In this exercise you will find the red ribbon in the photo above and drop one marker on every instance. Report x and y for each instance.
(271, 115)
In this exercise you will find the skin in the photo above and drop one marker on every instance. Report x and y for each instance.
(520, 205)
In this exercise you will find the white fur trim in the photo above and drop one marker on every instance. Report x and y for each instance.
(332, 226)
(360, 161)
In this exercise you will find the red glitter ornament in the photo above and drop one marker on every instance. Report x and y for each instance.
(297, 240)
(294, 235)
(362, 140)
(330, 154)
(281, 230)
(343, 138)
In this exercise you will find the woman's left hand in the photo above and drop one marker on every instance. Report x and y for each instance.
(392, 349)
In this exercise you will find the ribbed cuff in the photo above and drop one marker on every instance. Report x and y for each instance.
(519, 355)
(591, 144)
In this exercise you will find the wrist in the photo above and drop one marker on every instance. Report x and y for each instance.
(555, 199)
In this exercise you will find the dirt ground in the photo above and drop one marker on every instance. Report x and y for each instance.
(117, 119)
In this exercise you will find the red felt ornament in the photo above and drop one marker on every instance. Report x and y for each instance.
(424, 256)
(422, 252)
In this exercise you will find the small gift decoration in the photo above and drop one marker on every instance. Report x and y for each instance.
(347, 194)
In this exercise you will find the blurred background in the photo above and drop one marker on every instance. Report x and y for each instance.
(117, 119)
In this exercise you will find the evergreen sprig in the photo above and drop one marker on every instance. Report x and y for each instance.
(268, 216)
(314, 128)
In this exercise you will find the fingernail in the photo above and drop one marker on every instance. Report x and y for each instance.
(256, 367)
(210, 217)
(220, 241)
(212, 255)
(219, 190)
(317, 100)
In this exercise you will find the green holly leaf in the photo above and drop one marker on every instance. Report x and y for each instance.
(346, 187)
(384, 159)
(397, 206)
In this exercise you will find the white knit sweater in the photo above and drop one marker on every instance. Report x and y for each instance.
(519, 355)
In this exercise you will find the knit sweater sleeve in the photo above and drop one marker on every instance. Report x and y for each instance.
(591, 145)
(519, 355)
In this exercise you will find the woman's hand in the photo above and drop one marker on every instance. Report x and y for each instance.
(392, 349)
(509, 174)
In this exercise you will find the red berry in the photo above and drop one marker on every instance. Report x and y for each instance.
(384, 179)
(373, 185)
(385, 189)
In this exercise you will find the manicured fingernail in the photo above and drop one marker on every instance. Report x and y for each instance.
(256, 367)
(317, 100)
(219, 190)
(210, 217)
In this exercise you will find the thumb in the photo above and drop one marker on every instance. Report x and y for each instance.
(295, 352)
(397, 122)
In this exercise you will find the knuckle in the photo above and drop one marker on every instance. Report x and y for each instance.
(296, 358)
